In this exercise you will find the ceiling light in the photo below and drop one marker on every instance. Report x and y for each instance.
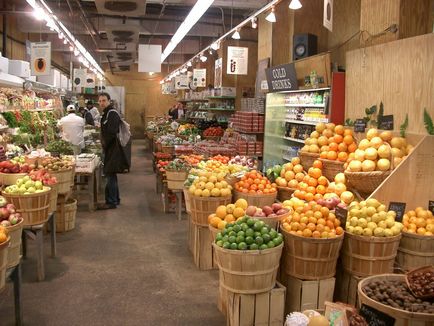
(177, 73)
(60, 36)
(295, 4)
(192, 18)
(254, 22)
(71, 48)
(39, 13)
(184, 70)
(271, 17)
(203, 58)
(215, 46)
(236, 35)
(189, 64)
(76, 52)
(80, 59)
(65, 42)
(210, 51)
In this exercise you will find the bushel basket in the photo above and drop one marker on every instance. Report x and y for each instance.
(202, 207)
(176, 179)
(65, 180)
(258, 200)
(307, 159)
(3, 262)
(14, 251)
(7, 179)
(284, 193)
(331, 168)
(415, 251)
(366, 182)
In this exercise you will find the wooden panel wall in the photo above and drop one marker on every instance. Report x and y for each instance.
(415, 18)
(283, 31)
(265, 38)
(398, 74)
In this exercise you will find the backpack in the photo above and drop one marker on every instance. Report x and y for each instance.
(124, 133)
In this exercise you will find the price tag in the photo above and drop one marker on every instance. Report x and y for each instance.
(386, 122)
(399, 208)
(341, 214)
(376, 318)
(431, 206)
(359, 125)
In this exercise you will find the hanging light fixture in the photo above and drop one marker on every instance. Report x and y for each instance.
(236, 35)
(254, 22)
(39, 13)
(215, 46)
(76, 52)
(203, 58)
(71, 48)
(189, 64)
(65, 42)
(271, 17)
(184, 70)
(295, 4)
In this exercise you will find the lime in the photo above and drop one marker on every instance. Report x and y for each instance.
(264, 230)
(241, 234)
(249, 240)
(262, 223)
(266, 237)
(271, 244)
(245, 219)
(263, 247)
(239, 221)
(277, 241)
(257, 226)
(234, 246)
(225, 238)
(250, 222)
(232, 239)
(219, 243)
(244, 227)
(237, 228)
(219, 236)
(232, 233)
(253, 246)
(240, 239)
(259, 240)
(273, 233)
(224, 232)
(229, 229)
(242, 246)
(226, 245)
(250, 232)
(229, 225)
(257, 234)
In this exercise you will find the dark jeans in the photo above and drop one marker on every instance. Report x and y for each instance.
(112, 189)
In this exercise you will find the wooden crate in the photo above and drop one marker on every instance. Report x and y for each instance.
(302, 295)
(201, 247)
(346, 287)
(260, 309)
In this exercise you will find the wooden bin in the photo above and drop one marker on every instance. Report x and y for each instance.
(14, 251)
(213, 232)
(259, 309)
(3, 262)
(53, 198)
(176, 179)
(415, 251)
(304, 295)
(284, 193)
(65, 218)
(366, 256)
(187, 200)
(200, 240)
(249, 271)
(346, 291)
(258, 200)
(331, 168)
(402, 317)
(366, 182)
(307, 159)
(65, 180)
(7, 179)
(202, 207)
(34, 208)
(310, 258)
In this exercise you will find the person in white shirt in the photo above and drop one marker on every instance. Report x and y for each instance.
(94, 111)
(72, 127)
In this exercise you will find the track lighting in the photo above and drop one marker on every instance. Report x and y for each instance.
(271, 17)
(203, 58)
(236, 35)
(215, 46)
(254, 22)
(295, 4)
(189, 64)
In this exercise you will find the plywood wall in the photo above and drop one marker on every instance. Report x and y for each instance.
(265, 38)
(397, 73)
(283, 31)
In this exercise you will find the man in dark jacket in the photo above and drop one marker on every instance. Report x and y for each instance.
(114, 156)
(87, 116)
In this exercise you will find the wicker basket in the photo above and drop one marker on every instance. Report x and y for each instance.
(7, 179)
(310, 258)
(232, 179)
(366, 182)
(258, 200)
(402, 317)
(307, 159)
(53, 198)
(366, 256)
(202, 207)
(65, 221)
(168, 149)
(176, 179)
(65, 180)
(331, 168)
(14, 251)
(426, 269)
(187, 200)
(34, 208)
(284, 193)
(249, 271)
(415, 251)
(4, 262)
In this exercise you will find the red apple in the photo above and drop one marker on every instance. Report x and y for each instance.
(276, 207)
(251, 210)
(267, 210)
(11, 208)
(282, 211)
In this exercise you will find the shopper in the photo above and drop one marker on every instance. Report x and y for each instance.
(87, 116)
(94, 111)
(72, 127)
(114, 156)
(177, 111)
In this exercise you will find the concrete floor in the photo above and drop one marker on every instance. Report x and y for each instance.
(129, 266)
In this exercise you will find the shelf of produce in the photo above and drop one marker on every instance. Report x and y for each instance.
(294, 140)
(221, 97)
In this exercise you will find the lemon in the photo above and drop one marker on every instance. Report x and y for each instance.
(198, 192)
(206, 193)
(215, 192)
(242, 203)
(209, 185)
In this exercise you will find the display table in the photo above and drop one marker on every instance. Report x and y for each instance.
(93, 181)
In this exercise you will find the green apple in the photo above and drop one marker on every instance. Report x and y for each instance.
(29, 184)
(388, 233)
(26, 178)
(358, 230)
(39, 190)
(354, 221)
(31, 190)
(390, 221)
(38, 185)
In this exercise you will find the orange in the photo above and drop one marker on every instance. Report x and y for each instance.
(316, 234)
(327, 133)
(317, 197)
(338, 139)
(293, 184)
(312, 182)
(348, 132)
(295, 161)
(311, 190)
(315, 173)
(306, 177)
(333, 147)
(339, 230)
(321, 221)
(303, 186)
(342, 147)
(322, 141)
(332, 155)
(317, 164)
(321, 189)
(221, 225)
(339, 129)
(238, 212)
(298, 168)
(309, 196)
(289, 175)
(215, 221)
(325, 149)
(320, 227)
(330, 224)
(323, 155)
(352, 147)
(210, 217)
(221, 211)
(322, 181)
(348, 139)
(342, 156)
(307, 233)
(325, 211)
(229, 218)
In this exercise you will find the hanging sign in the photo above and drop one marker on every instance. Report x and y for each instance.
(90, 81)
(328, 15)
(199, 77)
(282, 78)
(80, 76)
(181, 82)
(149, 58)
(341, 214)
(238, 60)
(218, 73)
(431, 206)
(40, 58)
(386, 122)
(261, 77)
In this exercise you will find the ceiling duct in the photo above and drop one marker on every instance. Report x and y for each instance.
(129, 8)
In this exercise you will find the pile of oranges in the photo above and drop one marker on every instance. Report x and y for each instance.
(291, 174)
(192, 159)
(331, 142)
(314, 185)
(221, 158)
(227, 214)
(313, 221)
(255, 183)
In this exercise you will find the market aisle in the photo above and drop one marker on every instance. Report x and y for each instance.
(129, 266)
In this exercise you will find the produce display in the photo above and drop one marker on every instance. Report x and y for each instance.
(313, 221)
(178, 165)
(169, 140)
(2, 154)
(314, 185)
(254, 182)
(248, 234)
(56, 163)
(60, 147)
(192, 159)
(228, 214)
(26, 186)
(371, 218)
(250, 163)
(161, 165)
(210, 184)
(13, 166)
(221, 158)
(395, 293)
(218, 167)
(42, 176)
(8, 214)
(338, 188)
(331, 142)
(419, 221)
(275, 210)
(187, 129)
(213, 132)
(290, 174)
(421, 282)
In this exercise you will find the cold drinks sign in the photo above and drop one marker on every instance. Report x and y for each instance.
(282, 78)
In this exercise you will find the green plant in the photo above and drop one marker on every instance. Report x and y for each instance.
(369, 115)
(428, 122)
(349, 123)
(403, 127)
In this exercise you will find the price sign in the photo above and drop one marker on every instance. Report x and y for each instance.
(431, 206)
(399, 209)
(341, 214)
(359, 125)
(386, 122)
(376, 318)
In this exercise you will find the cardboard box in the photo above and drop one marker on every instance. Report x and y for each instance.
(4, 65)
(19, 68)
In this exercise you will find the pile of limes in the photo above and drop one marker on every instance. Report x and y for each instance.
(248, 234)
